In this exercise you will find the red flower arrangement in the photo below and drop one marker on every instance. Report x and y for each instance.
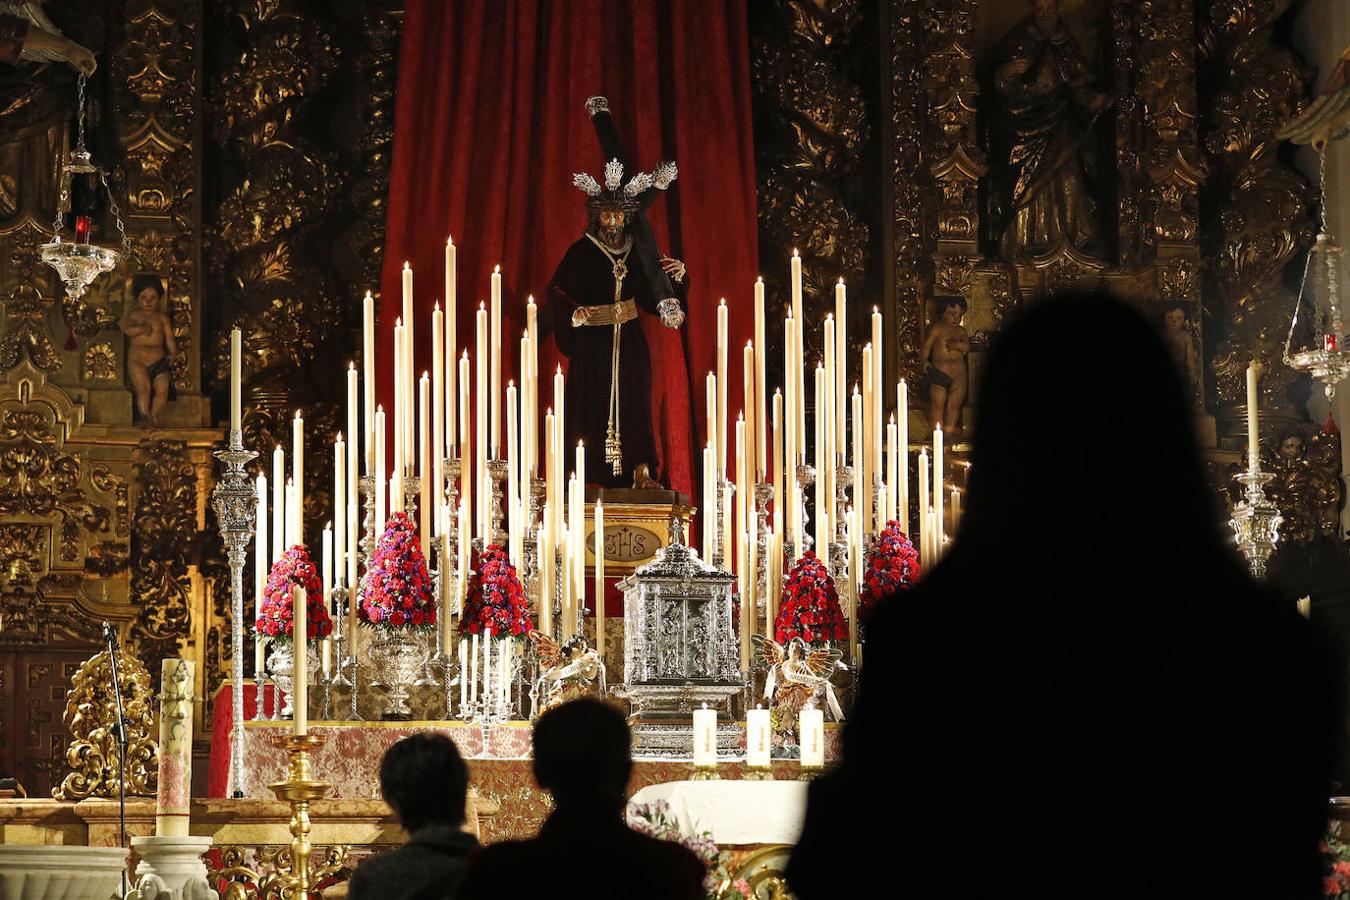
(810, 605)
(294, 569)
(495, 598)
(396, 590)
(892, 568)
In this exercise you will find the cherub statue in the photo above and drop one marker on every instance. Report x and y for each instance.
(151, 349)
(805, 677)
(566, 672)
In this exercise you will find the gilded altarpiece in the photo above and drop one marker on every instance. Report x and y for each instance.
(1199, 213)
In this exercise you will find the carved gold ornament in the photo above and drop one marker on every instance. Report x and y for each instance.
(91, 711)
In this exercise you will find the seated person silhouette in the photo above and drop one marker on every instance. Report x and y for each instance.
(1088, 696)
(425, 780)
(584, 849)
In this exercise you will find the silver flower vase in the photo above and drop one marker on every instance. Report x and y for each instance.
(401, 655)
(281, 660)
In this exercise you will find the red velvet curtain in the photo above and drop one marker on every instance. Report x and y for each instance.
(490, 125)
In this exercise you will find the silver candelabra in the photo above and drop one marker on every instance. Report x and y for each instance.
(1255, 520)
(235, 500)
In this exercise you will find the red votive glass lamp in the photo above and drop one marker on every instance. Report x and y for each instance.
(82, 229)
(1329, 342)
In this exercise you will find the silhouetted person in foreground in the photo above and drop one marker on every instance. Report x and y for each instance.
(424, 779)
(584, 849)
(1089, 696)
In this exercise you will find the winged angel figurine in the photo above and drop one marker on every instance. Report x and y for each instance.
(566, 672)
(798, 677)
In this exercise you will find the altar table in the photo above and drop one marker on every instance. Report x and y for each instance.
(350, 760)
(733, 812)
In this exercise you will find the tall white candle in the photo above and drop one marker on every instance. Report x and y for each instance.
(424, 509)
(236, 386)
(326, 581)
(599, 538)
(298, 473)
(348, 540)
(437, 413)
(400, 410)
(339, 505)
(790, 402)
(465, 450)
(821, 520)
(464, 682)
(368, 373)
(863, 497)
(495, 390)
(831, 428)
(546, 580)
(878, 399)
(1253, 415)
(487, 664)
(559, 445)
(892, 469)
(939, 470)
(300, 632)
(473, 670)
(710, 539)
(482, 524)
(751, 413)
(761, 387)
(531, 408)
(796, 370)
(902, 416)
(841, 363)
(278, 502)
(261, 566)
(451, 348)
(722, 387)
(405, 374)
(925, 498)
(515, 527)
(381, 488)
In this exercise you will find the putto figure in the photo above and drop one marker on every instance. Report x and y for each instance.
(609, 278)
(151, 349)
(945, 349)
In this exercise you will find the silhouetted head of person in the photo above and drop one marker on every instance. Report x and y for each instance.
(1084, 449)
(424, 779)
(582, 754)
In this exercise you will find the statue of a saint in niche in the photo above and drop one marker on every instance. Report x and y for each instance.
(1042, 110)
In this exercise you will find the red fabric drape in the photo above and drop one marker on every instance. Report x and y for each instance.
(490, 125)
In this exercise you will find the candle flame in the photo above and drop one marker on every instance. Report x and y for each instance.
(722, 302)
(465, 357)
(398, 321)
(436, 307)
(425, 375)
(794, 251)
(339, 438)
(759, 279)
(299, 415)
(481, 307)
(510, 382)
(368, 296)
(829, 317)
(496, 270)
(379, 409)
(449, 241)
(405, 265)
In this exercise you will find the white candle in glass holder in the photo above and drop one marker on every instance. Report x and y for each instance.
(487, 663)
(705, 736)
(757, 739)
(473, 670)
(811, 728)
(463, 682)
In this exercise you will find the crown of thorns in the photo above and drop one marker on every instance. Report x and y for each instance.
(622, 194)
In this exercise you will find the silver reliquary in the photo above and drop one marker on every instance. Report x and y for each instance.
(680, 649)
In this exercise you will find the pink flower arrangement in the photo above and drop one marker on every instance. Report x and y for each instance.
(396, 590)
(276, 609)
(810, 605)
(495, 598)
(892, 567)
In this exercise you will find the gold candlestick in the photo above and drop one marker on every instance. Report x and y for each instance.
(299, 790)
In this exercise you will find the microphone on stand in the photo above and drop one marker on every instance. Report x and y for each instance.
(119, 733)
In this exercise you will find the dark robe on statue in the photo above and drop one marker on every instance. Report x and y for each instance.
(585, 277)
